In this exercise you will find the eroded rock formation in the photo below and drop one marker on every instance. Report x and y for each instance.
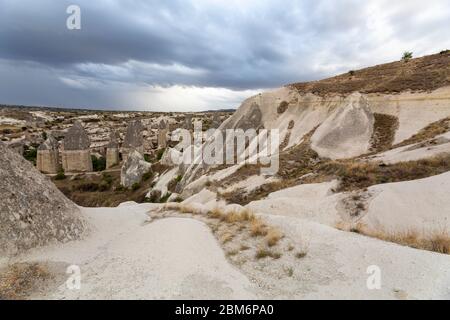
(33, 212)
(133, 169)
(76, 156)
(47, 160)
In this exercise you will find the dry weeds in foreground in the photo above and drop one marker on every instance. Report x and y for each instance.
(244, 221)
(18, 280)
(436, 241)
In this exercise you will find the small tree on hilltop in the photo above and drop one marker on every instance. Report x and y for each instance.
(407, 56)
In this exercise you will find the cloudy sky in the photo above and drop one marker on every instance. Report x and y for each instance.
(199, 54)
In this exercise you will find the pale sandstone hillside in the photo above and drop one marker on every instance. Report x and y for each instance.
(362, 112)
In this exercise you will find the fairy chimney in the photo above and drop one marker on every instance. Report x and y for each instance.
(133, 139)
(76, 156)
(112, 151)
(188, 122)
(47, 160)
(162, 134)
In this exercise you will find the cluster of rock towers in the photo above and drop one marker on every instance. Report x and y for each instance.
(74, 155)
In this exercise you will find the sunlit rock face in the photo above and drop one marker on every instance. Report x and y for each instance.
(133, 169)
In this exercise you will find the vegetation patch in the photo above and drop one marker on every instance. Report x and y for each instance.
(17, 281)
(98, 164)
(243, 223)
(360, 175)
(436, 241)
(383, 135)
(422, 74)
(282, 107)
(429, 132)
(100, 190)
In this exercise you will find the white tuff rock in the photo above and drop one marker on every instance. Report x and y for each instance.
(133, 169)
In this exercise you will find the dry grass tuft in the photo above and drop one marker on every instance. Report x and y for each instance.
(289, 271)
(440, 242)
(172, 206)
(244, 247)
(216, 213)
(360, 175)
(226, 237)
(258, 228)
(226, 225)
(264, 252)
(273, 236)
(18, 280)
(232, 253)
(186, 209)
(437, 241)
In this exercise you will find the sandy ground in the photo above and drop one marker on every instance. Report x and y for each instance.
(136, 251)
(416, 151)
(129, 258)
(337, 263)
(422, 205)
(314, 202)
(130, 255)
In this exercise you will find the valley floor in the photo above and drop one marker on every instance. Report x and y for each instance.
(132, 254)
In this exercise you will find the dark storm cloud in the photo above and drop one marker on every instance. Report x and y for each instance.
(223, 43)
(238, 50)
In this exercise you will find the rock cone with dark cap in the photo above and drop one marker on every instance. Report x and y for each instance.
(76, 156)
(76, 138)
(47, 160)
(133, 137)
(33, 212)
(112, 151)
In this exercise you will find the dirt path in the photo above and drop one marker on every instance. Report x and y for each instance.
(129, 258)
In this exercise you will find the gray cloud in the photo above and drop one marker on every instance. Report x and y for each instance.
(130, 45)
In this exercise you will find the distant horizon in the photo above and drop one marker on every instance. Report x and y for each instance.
(190, 56)
(87, 109)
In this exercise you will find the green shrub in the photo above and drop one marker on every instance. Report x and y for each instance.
(98, 164)
(60, 175)
(164, 199)
(107, 178)
(135, 186)
(407, 56)
(147, 175)
(88, 187)
(104, 186)
(160, 154)
(30, 154)
(120, 188)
